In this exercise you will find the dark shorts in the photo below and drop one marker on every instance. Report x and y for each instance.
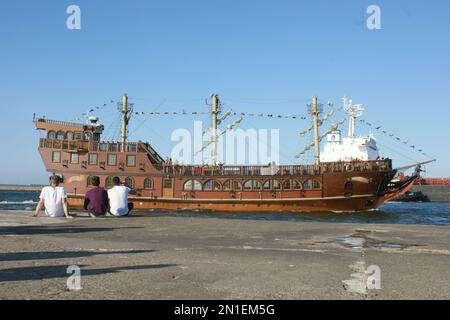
(130, 207)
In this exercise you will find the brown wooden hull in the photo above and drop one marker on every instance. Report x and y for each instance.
(353, 203)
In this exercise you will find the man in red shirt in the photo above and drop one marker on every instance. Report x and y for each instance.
(96, 200)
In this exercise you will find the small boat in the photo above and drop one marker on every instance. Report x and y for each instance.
(409, 196)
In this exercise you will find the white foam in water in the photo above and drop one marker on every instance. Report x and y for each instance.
(18, 202)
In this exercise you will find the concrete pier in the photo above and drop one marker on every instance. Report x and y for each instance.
(434, 193)
(160, 257)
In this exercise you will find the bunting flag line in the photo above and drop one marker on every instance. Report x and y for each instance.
(95, 108)
(393, 136)
(242, 114)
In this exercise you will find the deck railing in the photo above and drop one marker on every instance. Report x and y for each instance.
(90, 146)
(60, 123)
(116, 147)
(273, 170)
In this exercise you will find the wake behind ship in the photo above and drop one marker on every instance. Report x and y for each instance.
(348, 176)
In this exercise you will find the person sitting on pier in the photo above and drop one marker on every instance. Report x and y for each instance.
(118, 199)
(96, 200)
(54, 199)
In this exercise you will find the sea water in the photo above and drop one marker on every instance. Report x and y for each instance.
(18, 200)
(428, 213)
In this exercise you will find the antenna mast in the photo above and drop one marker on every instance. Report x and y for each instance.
(354, 111)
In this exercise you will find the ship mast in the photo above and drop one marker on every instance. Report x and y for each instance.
(315, 114)
(125, 119)
(214, 112)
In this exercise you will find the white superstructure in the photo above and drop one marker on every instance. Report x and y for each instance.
(350, 148)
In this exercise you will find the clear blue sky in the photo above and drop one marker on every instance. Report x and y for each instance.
(258, 55)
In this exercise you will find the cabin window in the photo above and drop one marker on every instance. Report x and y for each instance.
(188, 185)
(217, 186)
(69, 135)
(276, 185)
(248, 185)
(131, 161)
(191, 185)
(256, 185)
(78, 136)
(129, 182)
(296, 185)
(197, 185)
(60, 135)
(287, 185)
(112, 159)
(51, 135)
(148, 183)
(316, 184)
(103, 147)
(92, 158)
(237, 185)
(307, 184)
(109, 182)
(266, 185)
(56, 157)
(74, 158)
(227, 185)
(167, 183)
(207, 186)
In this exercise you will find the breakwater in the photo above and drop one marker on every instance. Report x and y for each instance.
(434, 193)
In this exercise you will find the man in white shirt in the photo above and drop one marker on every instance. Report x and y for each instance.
(54, 199)
(118, 199)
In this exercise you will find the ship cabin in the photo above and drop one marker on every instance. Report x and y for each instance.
(75, 152)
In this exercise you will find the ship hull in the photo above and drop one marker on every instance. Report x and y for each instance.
(346, 204)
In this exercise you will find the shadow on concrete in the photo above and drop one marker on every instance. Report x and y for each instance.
(52, 272)
(48, 255)
(34, 230)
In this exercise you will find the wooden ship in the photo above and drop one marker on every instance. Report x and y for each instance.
(76, 152)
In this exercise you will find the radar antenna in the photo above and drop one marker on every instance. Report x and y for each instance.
(354, 111)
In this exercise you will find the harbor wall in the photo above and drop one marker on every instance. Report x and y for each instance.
(434, 193)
